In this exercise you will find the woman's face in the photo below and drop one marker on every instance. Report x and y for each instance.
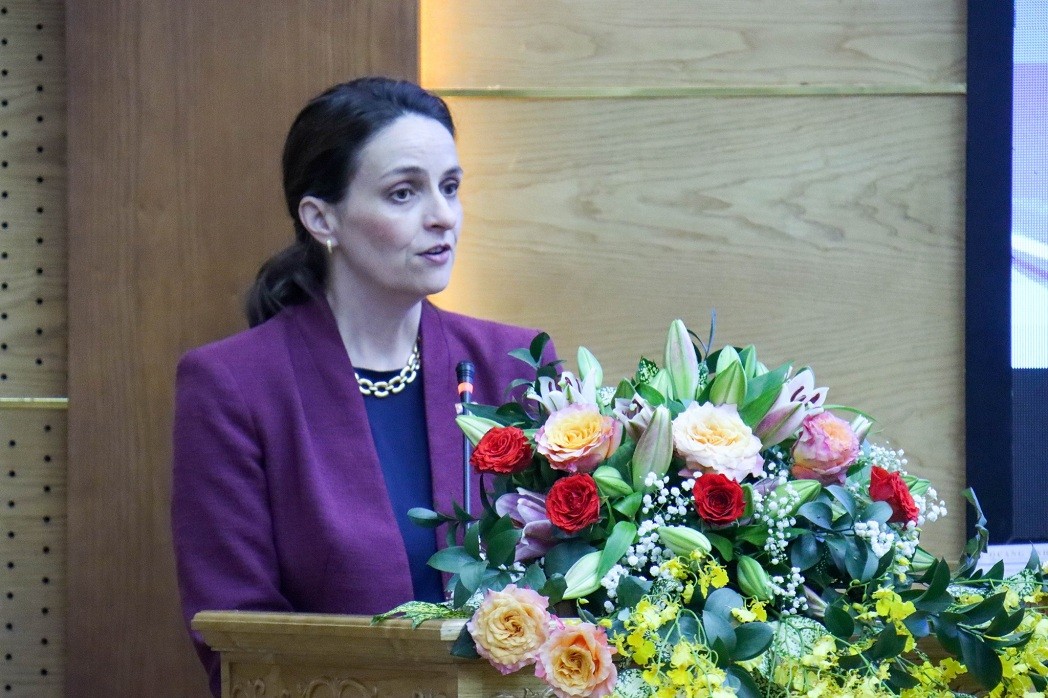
(398, 226)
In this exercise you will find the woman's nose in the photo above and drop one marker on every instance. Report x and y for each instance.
(442, 213)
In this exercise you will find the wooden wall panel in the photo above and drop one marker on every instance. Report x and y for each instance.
(827, 231)
(32, 348)
(570, 44)
(178, 114)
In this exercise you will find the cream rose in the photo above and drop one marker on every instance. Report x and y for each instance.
(713, 438)
(577, 438)
(576, 661)
(510, 626)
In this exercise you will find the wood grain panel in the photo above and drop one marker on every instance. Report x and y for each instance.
(179, 113)
(617, 43)
(826, 231)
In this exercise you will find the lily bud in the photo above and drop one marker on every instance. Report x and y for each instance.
(683, 540)
(861, 426)
(582, 577)
(753, 580)
(589, 367)
(681, 362)
(661, 383)
(474, 427)
(655, 448)
(729, 385)
(806, 490)
(610, 483)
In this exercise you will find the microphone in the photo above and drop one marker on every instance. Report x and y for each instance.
(465, 371)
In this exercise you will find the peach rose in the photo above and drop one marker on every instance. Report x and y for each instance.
(510, 626)
(577, 438)
(576, 661)
(825, 449)
(714, 439)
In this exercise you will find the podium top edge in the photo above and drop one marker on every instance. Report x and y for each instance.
(322, 623)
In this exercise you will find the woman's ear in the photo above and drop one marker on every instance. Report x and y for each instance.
(318, 217)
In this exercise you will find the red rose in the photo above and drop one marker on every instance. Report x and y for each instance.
(891, 488)
(573, 503)
(502, 450)
(718, 499)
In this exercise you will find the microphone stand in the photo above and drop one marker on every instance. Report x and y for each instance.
(465, 372)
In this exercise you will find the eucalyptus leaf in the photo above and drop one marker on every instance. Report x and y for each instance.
(502, 546)
(426, 518)
(819, 513)
(451, 559)
(980, 659)
(751, 639)
(464, 645)
(561, 557)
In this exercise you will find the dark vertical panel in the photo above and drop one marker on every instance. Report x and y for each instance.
(988, 256)
(177, 113)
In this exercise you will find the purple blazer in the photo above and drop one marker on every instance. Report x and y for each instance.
(279, 502)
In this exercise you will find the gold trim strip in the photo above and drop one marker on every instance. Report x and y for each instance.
(937, 89)
(34, 403)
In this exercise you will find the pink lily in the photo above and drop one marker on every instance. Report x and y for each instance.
(797, 399)
(527, 510)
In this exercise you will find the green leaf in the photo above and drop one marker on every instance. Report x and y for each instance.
(985, 610)
(976, 545)
(534, 577)
(561, 557)
(652, 396)
(888, 644)
(750, 640)
(722, 601)
(471, 541)
(839, 622)
(538, 345)
(618, 542)
(426, 518)
(935, 598)
(554, 588)
(525, 356)
(804, 552)
(624, 391)
(845, 498)
(722, 546)
(1004, 624)
(472, 575)
(502, 546)
(719, 630)
(451, 559)
(761, 394)
(631, 590)
(464, 645)
(900, 679)
(747, 687)
(819, 513)
(629, 505)
(877, 511)
(980, 659)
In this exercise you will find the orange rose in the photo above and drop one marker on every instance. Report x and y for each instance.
(576, 661)
(509, 627)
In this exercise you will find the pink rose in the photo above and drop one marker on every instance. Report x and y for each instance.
(510, 627)
(577, 438)
(824, 450)
(576, 661)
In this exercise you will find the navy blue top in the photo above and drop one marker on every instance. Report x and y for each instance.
(398, 428)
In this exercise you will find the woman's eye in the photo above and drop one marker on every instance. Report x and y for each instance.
(451, 187)
(401, 195)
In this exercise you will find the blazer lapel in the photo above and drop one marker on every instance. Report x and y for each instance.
(440, 391)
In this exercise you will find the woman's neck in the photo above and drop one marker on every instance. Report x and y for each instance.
(377, 335)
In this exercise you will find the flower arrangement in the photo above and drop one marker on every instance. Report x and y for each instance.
(720, 530)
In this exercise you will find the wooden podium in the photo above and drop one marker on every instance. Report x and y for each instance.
(298, 655)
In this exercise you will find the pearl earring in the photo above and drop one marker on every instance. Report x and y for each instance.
(331, 245)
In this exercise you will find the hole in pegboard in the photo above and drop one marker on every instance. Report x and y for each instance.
(44, 611)
(43, 641)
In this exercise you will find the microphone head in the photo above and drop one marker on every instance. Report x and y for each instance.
(465, 371)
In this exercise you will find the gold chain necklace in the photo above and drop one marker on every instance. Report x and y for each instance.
(395, 384)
